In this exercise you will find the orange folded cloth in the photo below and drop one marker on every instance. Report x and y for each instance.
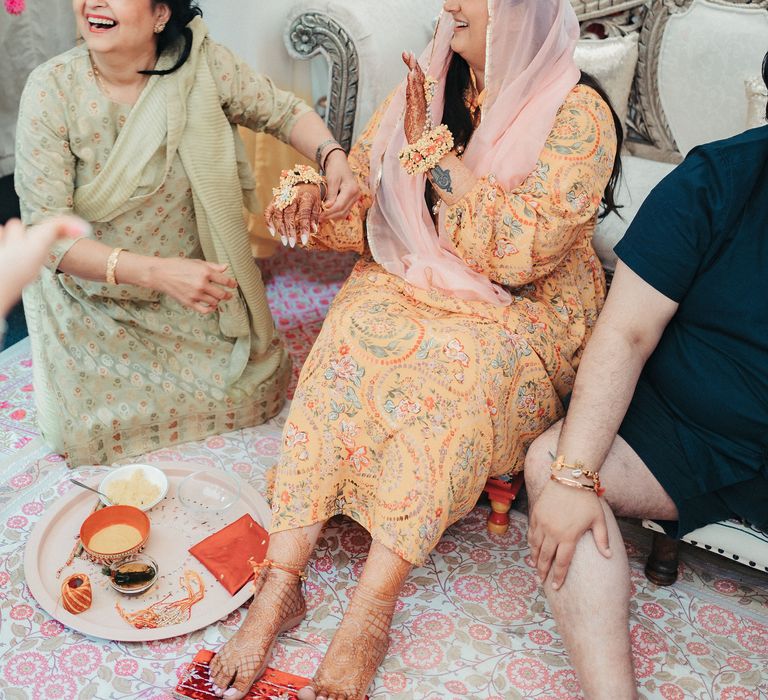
(226, 553)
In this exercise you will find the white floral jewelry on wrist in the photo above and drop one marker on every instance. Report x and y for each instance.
(285, 193)
(428, 151)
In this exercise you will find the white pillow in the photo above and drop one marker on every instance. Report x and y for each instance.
(612, 63)
(757, 96)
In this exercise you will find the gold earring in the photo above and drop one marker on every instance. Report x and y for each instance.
(159, 28)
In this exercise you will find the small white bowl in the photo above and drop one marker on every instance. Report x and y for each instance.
(152, 474)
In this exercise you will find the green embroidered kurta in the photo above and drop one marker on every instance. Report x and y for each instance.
(123, 370)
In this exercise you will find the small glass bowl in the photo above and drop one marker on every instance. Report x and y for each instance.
(134, 589)
(207, 493)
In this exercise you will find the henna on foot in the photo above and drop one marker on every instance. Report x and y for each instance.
(357, 650)
(278, 605)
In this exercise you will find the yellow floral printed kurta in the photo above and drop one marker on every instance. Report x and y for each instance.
(411, 399)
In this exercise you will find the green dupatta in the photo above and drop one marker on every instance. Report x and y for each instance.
(181, 113)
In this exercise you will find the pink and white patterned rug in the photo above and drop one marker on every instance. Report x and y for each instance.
(472, 622)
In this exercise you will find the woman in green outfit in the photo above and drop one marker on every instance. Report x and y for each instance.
(155, 330)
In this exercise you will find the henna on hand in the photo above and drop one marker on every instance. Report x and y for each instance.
(306, 205)
(269, 219)
(301, 217)
(289, 223)
(416, 108)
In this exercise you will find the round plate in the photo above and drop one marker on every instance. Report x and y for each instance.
(172, 534)
(152, 474)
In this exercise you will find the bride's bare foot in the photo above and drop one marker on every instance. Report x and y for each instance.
(277, 607)
(357, 649)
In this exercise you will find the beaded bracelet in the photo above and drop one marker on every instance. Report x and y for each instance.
(428, 151)
(285, 194)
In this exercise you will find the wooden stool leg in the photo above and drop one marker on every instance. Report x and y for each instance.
(498, 520)
(661, 567)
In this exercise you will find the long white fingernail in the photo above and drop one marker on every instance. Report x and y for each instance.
(304, 238)
(292, 241)
(315, 228)
(284, 239)
(272, 231)
(231, 692)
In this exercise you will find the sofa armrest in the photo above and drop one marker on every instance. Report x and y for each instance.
(362, 42)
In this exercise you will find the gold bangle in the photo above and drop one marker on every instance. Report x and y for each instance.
(572, 483)
(112, 265)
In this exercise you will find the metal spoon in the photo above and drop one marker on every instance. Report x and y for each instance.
(82, 485)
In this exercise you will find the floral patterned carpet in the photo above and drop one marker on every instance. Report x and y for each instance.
(472, 622)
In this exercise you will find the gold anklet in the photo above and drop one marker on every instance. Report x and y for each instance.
(260, 566)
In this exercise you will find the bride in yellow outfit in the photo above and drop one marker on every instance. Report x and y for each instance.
(451, 345)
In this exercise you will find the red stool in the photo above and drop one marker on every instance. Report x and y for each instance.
(501, 494)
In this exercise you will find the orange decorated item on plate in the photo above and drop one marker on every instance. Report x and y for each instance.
(227, 553)
(76, 593)
(115, 532)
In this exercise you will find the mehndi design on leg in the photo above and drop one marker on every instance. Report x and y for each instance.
(360, 644)
(278, 605)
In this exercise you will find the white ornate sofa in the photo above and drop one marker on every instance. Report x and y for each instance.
(679, 71)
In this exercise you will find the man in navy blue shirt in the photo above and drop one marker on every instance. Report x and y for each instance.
(669, 412)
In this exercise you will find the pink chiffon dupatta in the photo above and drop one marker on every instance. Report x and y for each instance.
(529, 72)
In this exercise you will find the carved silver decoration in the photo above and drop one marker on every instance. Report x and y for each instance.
(591, 9)
(314, 33)
(621, 24)
(650, 134)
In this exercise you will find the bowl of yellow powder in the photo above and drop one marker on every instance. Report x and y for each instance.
(114, 533)
(139, 485)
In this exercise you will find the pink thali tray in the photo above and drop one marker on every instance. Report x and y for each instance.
(172, 533)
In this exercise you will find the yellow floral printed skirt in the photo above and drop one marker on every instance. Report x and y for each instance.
(407, 403)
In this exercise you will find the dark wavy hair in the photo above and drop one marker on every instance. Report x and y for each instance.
(176, 31)
(765, 78)
(457, 118)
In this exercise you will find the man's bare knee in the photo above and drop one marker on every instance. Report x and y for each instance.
(538, 460)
